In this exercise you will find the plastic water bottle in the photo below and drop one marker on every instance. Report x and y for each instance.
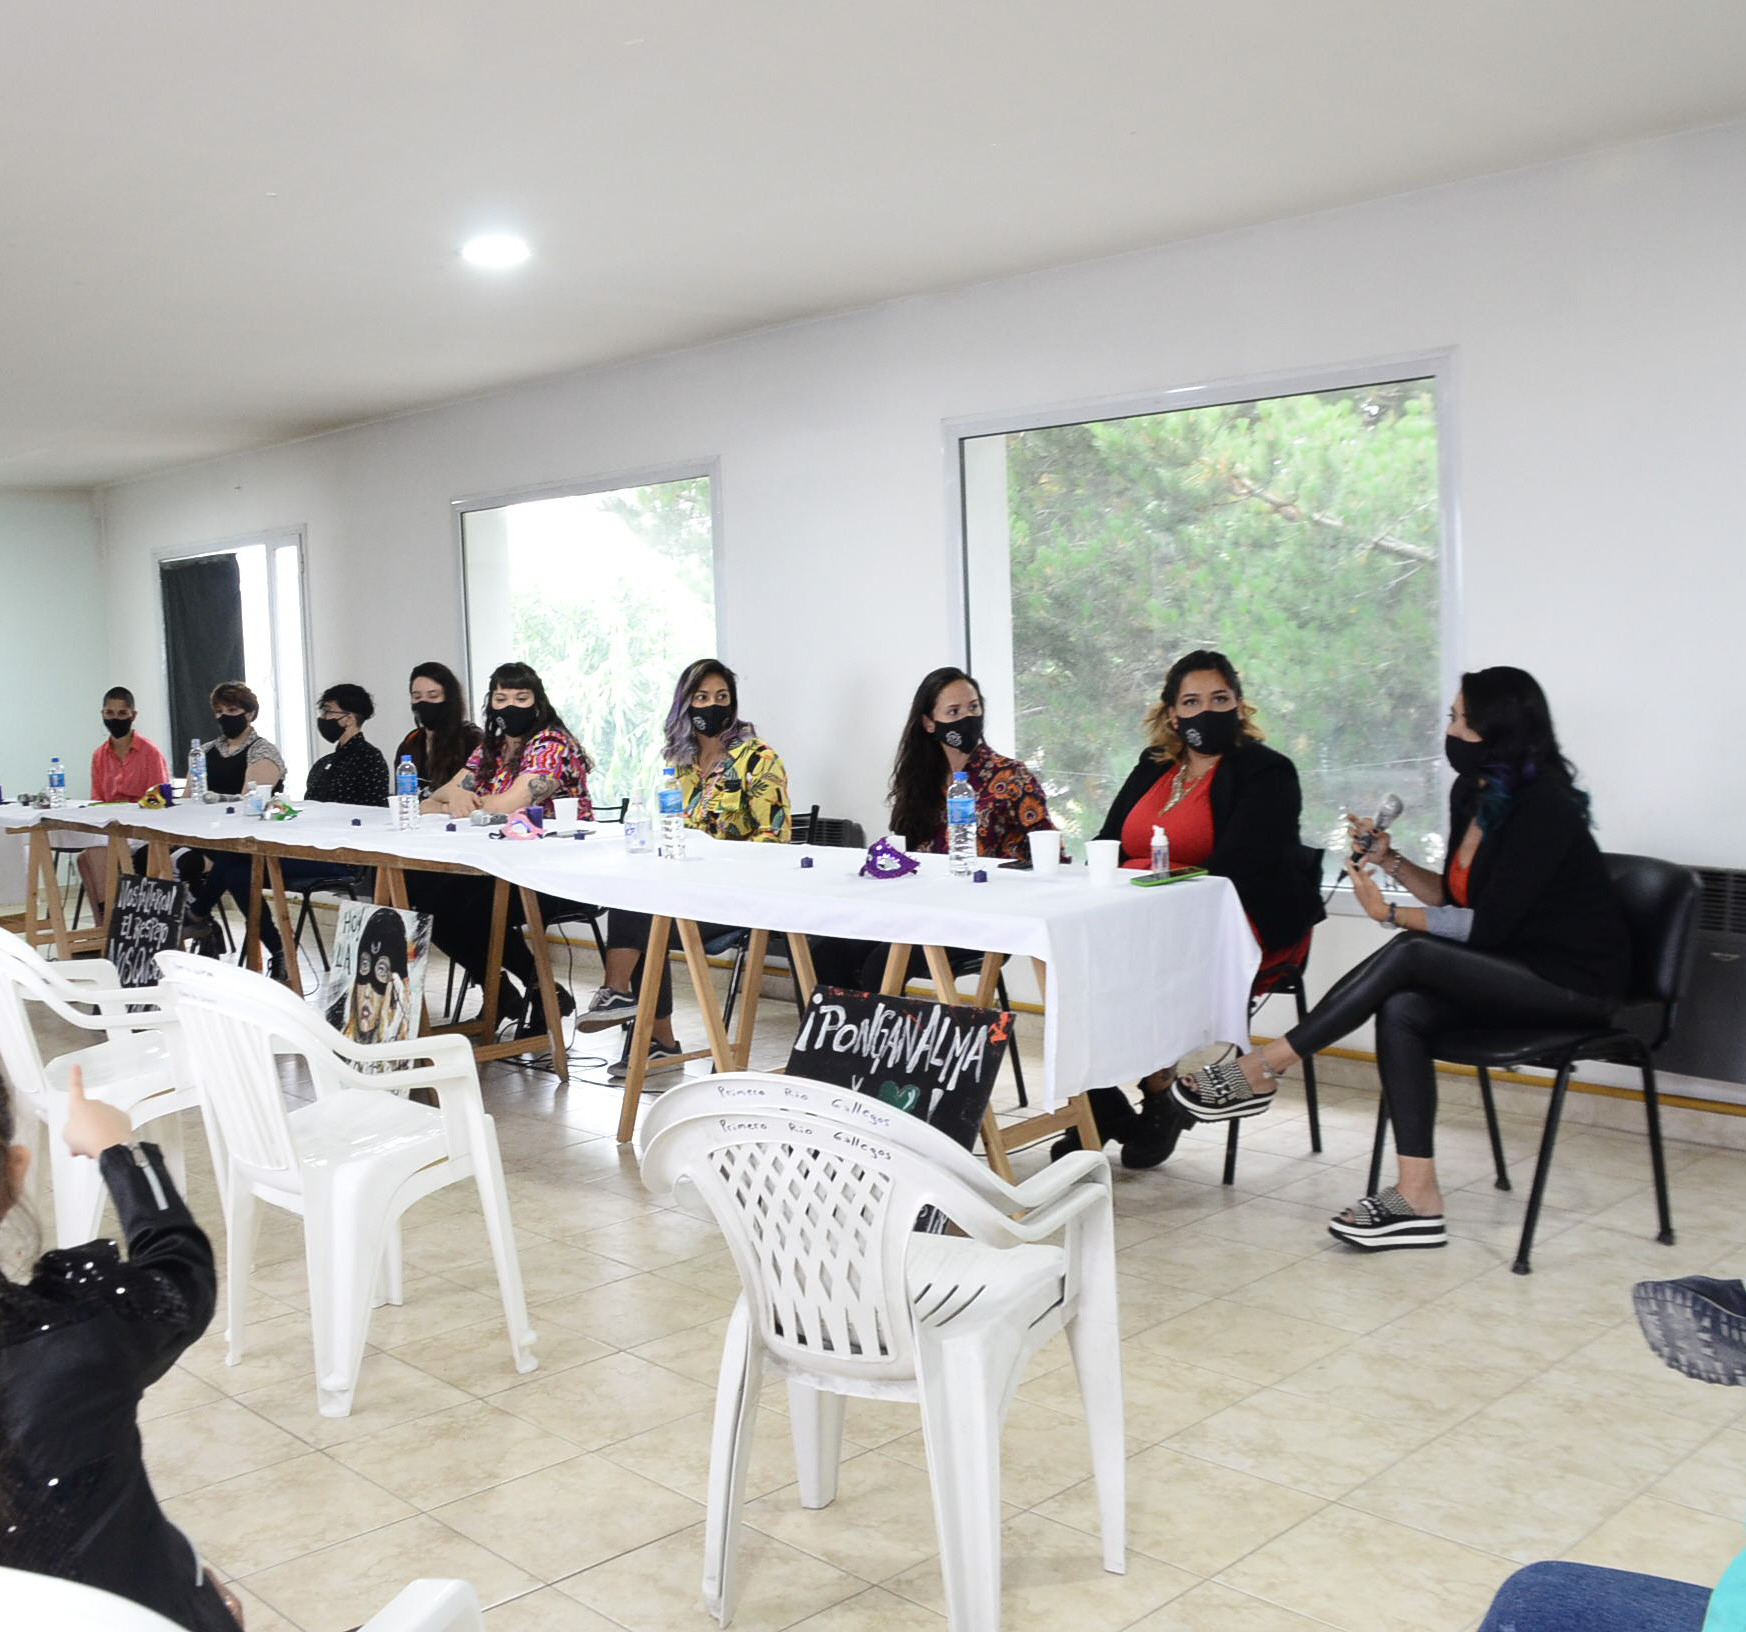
(1160, 853)
(639, 833)
(405, 794)
(961, 826)
(57, 785)
(196, 770)
(671, 803)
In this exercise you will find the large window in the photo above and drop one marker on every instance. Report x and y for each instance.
(1301, 535)
(609, 595)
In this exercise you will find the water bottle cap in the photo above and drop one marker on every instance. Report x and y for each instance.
(357, 821)
(448, 827)
(230, 810)
(979, 877)
(806, 861)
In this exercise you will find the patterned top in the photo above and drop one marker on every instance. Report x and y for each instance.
(1009, 805)
(546, 753)
(355, 773)
(744, 795)
(229, 764)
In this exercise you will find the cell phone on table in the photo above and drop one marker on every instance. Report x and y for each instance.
(1175, 876)
(1020, 864)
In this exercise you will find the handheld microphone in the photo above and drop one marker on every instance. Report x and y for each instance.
(1386, 812)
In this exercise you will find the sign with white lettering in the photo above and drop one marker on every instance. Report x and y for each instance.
(937, 1061)
(145, 920)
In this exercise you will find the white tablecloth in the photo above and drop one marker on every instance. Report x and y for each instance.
(1137, 977)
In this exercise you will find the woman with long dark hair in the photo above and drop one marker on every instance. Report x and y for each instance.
(942, 736)
(443, 739)
(1228, 803)
(527, 756)
(1520, 927)
(734, 787)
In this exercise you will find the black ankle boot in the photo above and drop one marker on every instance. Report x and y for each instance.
(1159, 1125)
(1115, 1116)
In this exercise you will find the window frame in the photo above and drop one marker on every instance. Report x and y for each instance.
(686, 470)
(274, 538)
(1437, 366)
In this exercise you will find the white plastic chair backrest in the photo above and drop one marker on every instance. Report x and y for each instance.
(231, 1019)
(28, 977)
(31, 1600)
(432, 1605)
(818, 1209)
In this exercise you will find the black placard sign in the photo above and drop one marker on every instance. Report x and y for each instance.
(937, 1061)
(145, 918)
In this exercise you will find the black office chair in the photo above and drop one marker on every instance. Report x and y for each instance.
(1285, 980)
(358, 885)
(1660, 901)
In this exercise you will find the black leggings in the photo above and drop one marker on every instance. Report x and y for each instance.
(459, 905)
(1417, 987)
(629, 931)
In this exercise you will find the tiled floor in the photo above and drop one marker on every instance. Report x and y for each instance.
(1319, 1439)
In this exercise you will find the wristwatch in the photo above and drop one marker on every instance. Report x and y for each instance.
(1391, 920)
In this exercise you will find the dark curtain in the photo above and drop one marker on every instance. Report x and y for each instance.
(203, 643)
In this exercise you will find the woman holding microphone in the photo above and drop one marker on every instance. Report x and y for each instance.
(1520, 927)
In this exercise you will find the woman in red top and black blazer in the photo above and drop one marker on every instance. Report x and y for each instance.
(1520, 927)
(1230, 804)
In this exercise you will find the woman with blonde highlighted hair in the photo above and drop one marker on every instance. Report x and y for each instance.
(1230, 804)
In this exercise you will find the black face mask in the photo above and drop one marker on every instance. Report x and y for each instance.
(331, 730)
(1212, 731)
(428, 715)
(1468, 758)
(964, 734)
(713, 720)
(514, 721)
(233, 725)
(117, 728)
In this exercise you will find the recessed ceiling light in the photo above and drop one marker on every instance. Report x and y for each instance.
(497, 251)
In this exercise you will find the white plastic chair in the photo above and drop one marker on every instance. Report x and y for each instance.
(134, 1069)
(817, 1191)
(31, 1600)
(349, 1164)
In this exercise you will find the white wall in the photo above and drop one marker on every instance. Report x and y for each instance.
(53, 636)
(1595, 314)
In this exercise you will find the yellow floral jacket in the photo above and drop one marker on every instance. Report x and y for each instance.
(744, 796)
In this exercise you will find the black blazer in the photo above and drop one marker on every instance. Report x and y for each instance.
(1256, 803)
(1539, 890)
(79, 1345)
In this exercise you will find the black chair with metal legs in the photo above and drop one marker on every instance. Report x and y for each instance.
(1660, 902)
(353, 887)
(1285, 980)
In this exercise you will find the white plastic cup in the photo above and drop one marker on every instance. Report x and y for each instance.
(1045, 851)
(1104, 858)
(566, 814)
(897, 841)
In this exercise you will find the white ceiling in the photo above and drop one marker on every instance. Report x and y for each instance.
(224, 225)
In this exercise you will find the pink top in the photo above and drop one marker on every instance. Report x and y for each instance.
(130, 778)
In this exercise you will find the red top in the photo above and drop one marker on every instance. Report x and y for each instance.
(1189, 826)
(1458, 871)
(131, 778)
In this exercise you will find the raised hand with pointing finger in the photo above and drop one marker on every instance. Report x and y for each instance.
(92, 1124)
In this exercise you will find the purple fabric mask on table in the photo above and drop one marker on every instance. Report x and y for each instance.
(885, 860)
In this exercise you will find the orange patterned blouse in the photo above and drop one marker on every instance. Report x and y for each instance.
(1009, 804)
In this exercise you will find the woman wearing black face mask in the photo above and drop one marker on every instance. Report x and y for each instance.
(1519, 928)
(734, 787)
(526, 757)
(353, 773)
(443, 739)
(1227, 803)
(941, 737)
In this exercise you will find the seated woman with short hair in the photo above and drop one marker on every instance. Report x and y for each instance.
(1520, 927)
(942, 736)
(734, 787)
(353, 773)
(527, 756)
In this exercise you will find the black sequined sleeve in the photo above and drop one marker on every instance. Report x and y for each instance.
(164, 1296)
